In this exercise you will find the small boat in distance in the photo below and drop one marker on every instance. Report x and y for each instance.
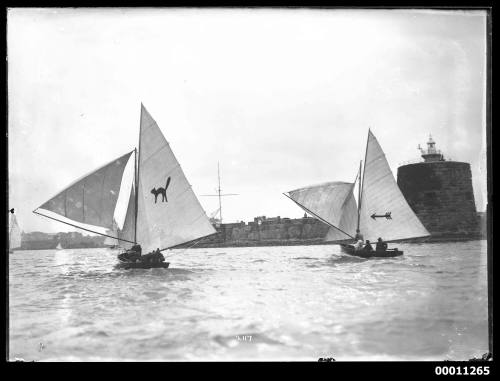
(59, 246)
(213, 220)
(381, 211)
(14, 232)
(162, 212)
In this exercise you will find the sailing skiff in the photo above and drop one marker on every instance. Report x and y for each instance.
(162, 213)
(381, 211)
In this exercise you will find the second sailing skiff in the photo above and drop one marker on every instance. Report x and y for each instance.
(381, 211)
(163, 211)
(14, 232)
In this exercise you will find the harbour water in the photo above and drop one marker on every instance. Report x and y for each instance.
(264, 303)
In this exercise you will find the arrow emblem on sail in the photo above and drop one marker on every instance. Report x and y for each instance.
(386, 215)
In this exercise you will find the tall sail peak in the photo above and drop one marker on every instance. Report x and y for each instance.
(168, 212)
(381, 197)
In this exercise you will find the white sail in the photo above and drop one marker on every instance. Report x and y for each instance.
(168, 212)
(348, 221)
(380, 195)
(92, 199)
(331, 202)
(128, 230)
(14, 233)
(59, 246)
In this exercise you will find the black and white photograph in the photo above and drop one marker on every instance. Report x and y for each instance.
(239, 184)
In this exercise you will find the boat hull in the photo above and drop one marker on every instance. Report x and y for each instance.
(142, 265)
(349, 249)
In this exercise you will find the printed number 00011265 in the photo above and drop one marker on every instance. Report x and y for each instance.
(462, 370)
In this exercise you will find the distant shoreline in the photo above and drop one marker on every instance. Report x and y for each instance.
(208, 245)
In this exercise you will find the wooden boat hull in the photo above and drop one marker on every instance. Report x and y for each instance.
(349, 249)
(142, 265)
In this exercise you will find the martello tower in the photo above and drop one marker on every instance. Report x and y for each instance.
(440, 193)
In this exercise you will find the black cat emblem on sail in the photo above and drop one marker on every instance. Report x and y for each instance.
(162, 191)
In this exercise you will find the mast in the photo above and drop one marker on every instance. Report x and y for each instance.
(359, 195)
(218, 191)
(136, 176)
(362, 182)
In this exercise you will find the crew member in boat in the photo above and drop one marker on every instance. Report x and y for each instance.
(381, 245)
(133, 254)
(153, 257)
(358, 245)
(368, 246)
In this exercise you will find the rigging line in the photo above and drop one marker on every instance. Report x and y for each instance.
(196, 240)
(318, 217)
(223, 194)
(79, 227)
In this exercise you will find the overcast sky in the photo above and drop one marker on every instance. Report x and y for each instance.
(282, 98)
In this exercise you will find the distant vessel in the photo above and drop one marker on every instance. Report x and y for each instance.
(163, 211)
(59, 246)
(382, 210)
(218, 221)
(14, 232)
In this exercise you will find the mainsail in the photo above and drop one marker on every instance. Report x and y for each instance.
(331, 202)
(14, 233)
(168, 212)
(92, 199)
(380, 194)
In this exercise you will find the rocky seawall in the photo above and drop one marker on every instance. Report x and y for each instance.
(300, 231)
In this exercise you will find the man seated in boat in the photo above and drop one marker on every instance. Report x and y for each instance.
(381, 245)
(153, 257)
(358, 245)
(133, 254)
(368, 246)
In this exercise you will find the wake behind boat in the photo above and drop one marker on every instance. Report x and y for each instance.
(163, 211)
(381, 211)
